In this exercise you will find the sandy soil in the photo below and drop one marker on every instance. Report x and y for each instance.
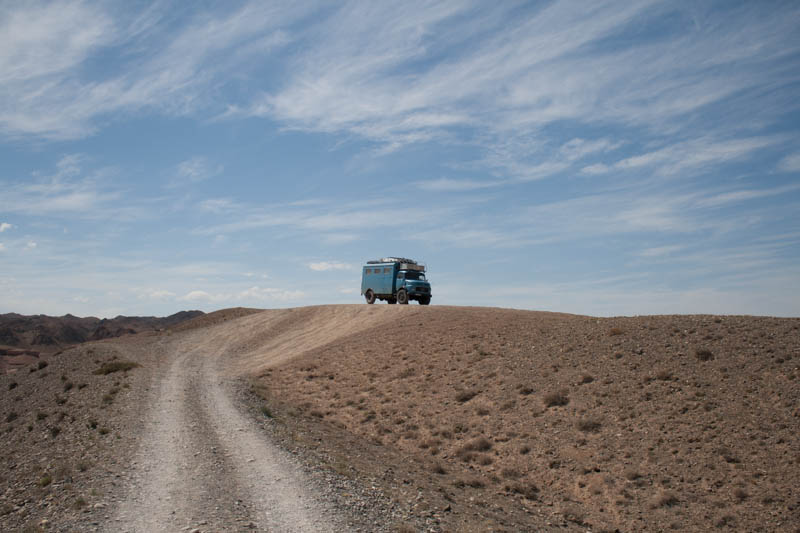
(409, 418)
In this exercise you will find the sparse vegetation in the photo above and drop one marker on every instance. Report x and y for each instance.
(465, 396)
(613, 332)
(473, 482)
(528, 490)
(437, 468)
(589, 425)
(115, 366)
(665, 499)
(45, 480)
(554, 399)
(704, 354)
(740, 494)
(266, 411)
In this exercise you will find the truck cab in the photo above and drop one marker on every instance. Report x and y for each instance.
(395, 280)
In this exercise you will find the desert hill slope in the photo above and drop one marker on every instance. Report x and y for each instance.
(469, 419)
(622, 423)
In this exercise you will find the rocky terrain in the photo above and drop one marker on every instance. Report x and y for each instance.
(23, 339)
(409, 418)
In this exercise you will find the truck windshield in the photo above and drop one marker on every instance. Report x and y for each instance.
(415, 275)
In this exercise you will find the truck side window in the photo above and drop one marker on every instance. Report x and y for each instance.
(400, 276)
(386, 270)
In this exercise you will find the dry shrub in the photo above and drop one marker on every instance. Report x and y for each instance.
(465, 396)
(474, 482)
(664, 499)
(437, 468)
(664, 375)
(481, 444)
(527, 489)
(115, 366)
(558, 398)
(613, 332)
(704, 354)
(632, 475)
(590, 425)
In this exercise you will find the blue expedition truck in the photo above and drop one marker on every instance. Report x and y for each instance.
(396, 280)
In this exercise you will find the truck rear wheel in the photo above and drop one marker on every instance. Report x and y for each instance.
(370, 296)
(424, 301)
(402, 297)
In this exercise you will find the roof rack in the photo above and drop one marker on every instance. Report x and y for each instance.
(393, 260)
(405, 263)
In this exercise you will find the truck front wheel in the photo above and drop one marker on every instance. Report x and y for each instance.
(370, 296)
(402, 297)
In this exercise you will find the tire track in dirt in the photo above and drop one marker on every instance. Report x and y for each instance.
(203, 464)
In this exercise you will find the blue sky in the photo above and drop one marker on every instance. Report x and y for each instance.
(603, 158)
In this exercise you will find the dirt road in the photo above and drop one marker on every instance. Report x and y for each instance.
(203, 464)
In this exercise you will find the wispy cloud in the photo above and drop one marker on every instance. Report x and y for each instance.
(790, 163)
(53, 91)
(323, 266)
(4, 226)
(69, 191)
(195, 170)
(660, 251)
(252, 294)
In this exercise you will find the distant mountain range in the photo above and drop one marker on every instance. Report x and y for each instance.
(47, 334)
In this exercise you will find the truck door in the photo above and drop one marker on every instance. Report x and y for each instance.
(401, 279)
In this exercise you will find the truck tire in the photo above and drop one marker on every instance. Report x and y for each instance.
(402, 297)
(370, 296)
(424, 301)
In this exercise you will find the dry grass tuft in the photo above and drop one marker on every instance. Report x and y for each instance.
(704, 354)
(474, 482)
(589, 425)
(664, 499)
(527, 489)
(558, 398)
(465, 396)
(115, 366)
(613, 332)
